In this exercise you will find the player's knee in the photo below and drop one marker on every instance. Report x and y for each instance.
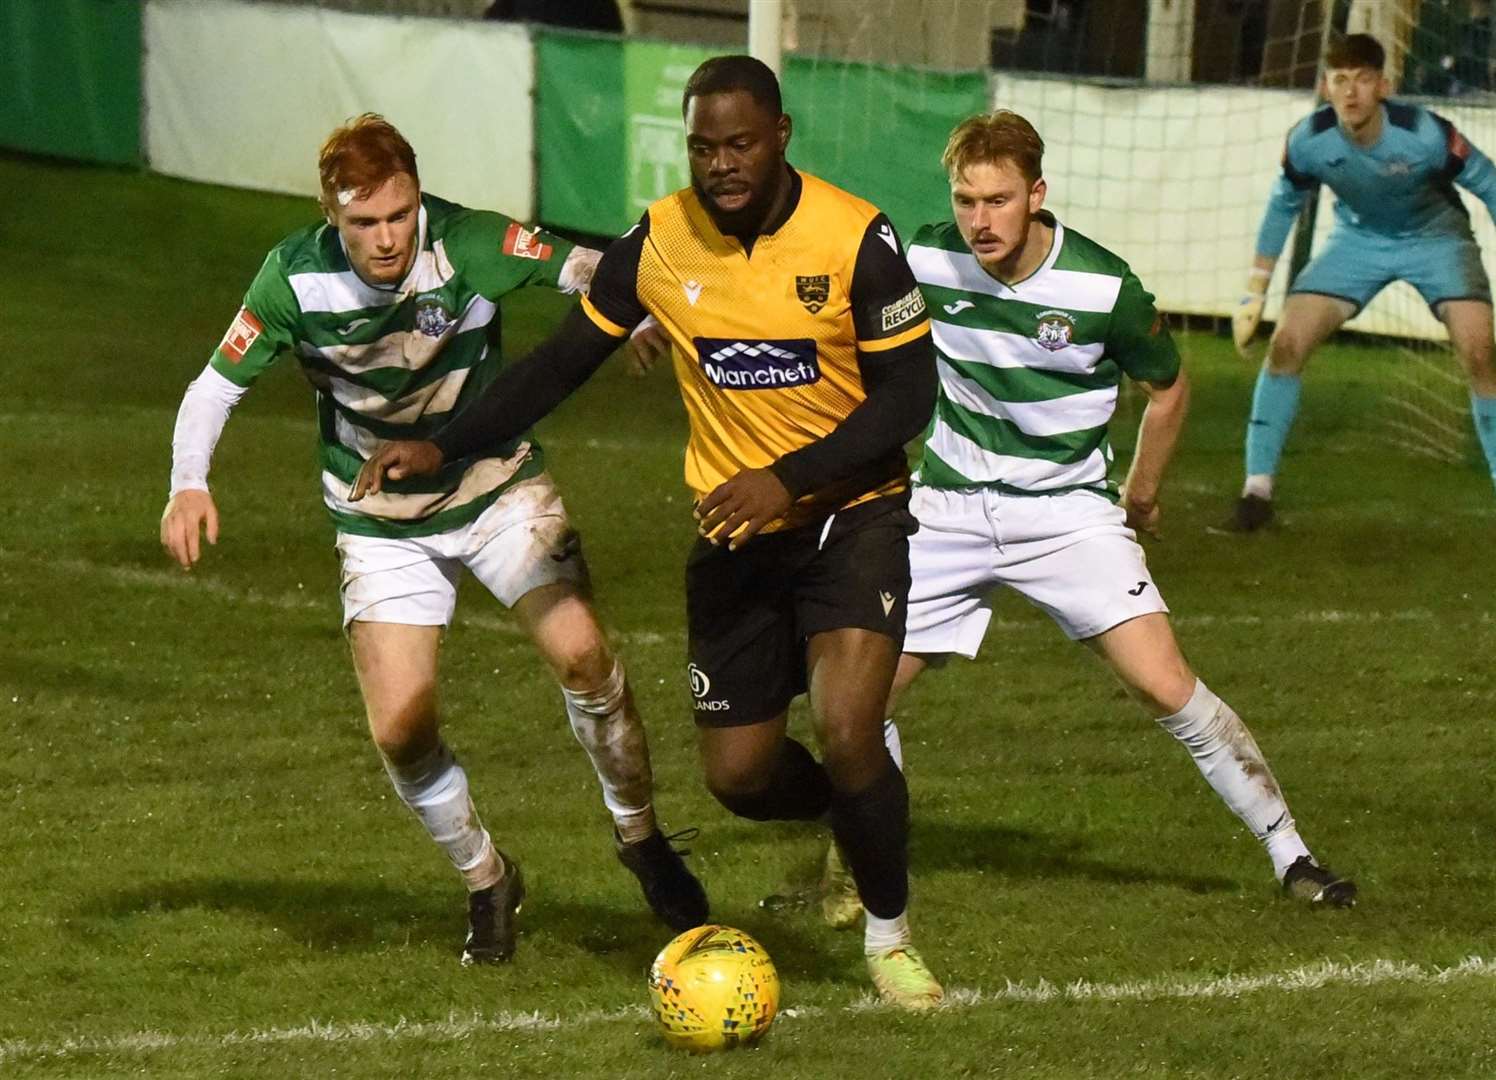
(583, 664)
(742, 789)
(1475, 356)
(752, 805)
(403, 736)
(1288, 352)
(403, 724)
(853, 751)
(1165, 690)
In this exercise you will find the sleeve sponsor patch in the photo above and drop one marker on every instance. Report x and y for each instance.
(525, 243)
(243, 333)
(905, 309)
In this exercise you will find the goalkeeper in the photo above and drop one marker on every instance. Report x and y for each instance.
(1392, 167)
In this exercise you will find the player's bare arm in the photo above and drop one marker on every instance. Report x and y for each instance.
(1158, 435)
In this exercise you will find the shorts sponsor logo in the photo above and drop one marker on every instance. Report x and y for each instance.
(525, 243)
(758, 365)
(813, 290)
(243, 333)
(1055, 331)
(701, 686)
(432, 316)
(905, 309)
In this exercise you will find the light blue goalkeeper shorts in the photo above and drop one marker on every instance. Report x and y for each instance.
(1355, 266)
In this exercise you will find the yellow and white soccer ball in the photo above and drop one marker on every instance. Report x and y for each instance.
(713, 988)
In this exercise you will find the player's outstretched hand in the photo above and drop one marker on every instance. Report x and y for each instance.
(187, 516)
(1245, 320)
(647, 346)
(396, 461)
(736, 511)
(1142, 514)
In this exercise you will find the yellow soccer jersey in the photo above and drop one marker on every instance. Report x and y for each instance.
(766, 337)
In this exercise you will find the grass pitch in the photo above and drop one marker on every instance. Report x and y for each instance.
(205, 872)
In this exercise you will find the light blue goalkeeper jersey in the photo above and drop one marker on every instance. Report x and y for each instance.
(1402, 185)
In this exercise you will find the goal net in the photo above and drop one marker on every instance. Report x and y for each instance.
(1164, 122)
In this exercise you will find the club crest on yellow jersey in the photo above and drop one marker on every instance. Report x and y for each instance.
(813, 290)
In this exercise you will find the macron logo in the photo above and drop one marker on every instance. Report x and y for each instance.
(885, 233)
(758, 365)
(692, 290)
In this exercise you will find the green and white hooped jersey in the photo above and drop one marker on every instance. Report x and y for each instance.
(1029, 372)
(396, 363)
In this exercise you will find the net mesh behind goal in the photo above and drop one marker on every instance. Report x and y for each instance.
(1163, 140)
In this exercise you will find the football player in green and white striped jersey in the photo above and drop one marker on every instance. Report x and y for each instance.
(1034, 327)
(390, 307)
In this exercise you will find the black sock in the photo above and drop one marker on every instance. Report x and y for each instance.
(799, 790)
(872, 828)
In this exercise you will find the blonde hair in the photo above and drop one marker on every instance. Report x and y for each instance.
(987, 138)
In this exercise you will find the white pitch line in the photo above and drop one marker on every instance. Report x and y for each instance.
(179, 581)
(1317, 976)
(182, 581)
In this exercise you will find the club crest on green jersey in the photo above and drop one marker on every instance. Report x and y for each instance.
(432, 316)
(1056, 328)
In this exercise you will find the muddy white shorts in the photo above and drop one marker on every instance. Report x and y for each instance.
(521, 542)
(1071, 555)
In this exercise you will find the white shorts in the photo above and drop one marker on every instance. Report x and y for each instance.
(1071, 555)
(524, 540)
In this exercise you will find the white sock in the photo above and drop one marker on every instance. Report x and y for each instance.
(1285, 847)
(606, 724)
(436, 789)
(893, 742)
(1259, 484)
(881, 935)
(1228, 758)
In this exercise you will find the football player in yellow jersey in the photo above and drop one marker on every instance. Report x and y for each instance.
(803, 352)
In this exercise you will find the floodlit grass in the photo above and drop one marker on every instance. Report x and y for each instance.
(205, 872)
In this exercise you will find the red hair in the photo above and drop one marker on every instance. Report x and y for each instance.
(361, 155)
(988, 138)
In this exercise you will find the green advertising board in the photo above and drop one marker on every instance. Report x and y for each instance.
(70, 78)
(611, 140)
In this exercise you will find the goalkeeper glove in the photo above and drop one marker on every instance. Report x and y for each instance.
(1245, 320)
(1248, 313)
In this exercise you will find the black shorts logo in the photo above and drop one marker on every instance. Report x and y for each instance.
(774, 364)
(813, 290)
(701, 686)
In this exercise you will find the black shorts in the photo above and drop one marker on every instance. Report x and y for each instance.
(749, 612)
